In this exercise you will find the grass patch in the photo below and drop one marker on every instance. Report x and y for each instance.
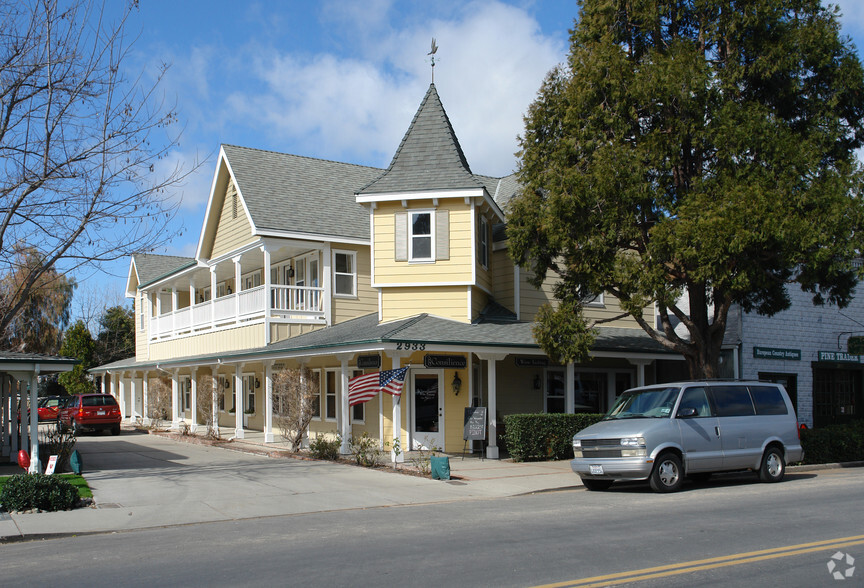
(76, 480)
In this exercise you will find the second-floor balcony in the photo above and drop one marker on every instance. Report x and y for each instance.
(288, 304)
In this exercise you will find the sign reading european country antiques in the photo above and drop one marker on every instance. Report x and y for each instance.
(776, 353)
(839, 356)
(450, 362)
(368, 361)
(532, 361)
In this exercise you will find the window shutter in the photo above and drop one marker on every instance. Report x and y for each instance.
(442, 234)
(401, 231)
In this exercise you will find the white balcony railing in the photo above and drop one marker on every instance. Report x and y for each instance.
(287, 304)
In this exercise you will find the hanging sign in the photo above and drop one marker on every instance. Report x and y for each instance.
(368, 362)
(839, 357)
(532, 361)
(451, 362)
(776, 353)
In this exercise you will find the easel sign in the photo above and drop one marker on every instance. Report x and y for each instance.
(52, 464)
(474, 426)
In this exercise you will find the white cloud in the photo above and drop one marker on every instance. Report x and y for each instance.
(852, 15)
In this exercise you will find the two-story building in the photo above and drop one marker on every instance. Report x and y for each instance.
(347, 269)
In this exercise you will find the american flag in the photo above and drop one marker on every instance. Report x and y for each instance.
(363, 388)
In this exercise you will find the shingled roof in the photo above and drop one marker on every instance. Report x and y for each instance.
(289, 192)
(429, 157)
(151, 267)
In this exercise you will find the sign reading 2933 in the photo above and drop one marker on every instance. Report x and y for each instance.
(410, 346)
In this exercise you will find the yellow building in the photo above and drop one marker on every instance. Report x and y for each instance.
(347, 270)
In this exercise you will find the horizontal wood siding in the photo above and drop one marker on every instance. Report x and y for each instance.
(231, 232)
(455, 269)
(479, 301)
(367, 297)
(444, 301)
(247, 337)
(502, 285)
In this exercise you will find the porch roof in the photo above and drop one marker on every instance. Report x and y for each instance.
(353, 335)
(18, 361)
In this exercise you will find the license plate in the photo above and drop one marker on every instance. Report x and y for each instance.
(596, 470)
(100, 412)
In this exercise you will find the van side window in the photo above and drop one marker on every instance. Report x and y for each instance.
(695, 398)
(732, 401)
(768, 400)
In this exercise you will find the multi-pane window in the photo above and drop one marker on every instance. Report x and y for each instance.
(315, 386)
(358, 412)
(142, 309)
(331, 387)
(345, 273)
(420, 239)
(249, 393)
(222, 392)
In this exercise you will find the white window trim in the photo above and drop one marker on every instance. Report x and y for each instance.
(220, 382)
(353, 256)
(142, 311)
(185, 388)
(597, 301)
(317, 373)
(432, 233)
(243, 378)
(336, 385)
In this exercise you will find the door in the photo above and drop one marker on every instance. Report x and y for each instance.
(700, 432)
(428, 410)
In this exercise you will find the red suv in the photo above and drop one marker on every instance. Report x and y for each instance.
(90, 411)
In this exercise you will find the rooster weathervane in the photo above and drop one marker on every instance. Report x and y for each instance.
(432, 52)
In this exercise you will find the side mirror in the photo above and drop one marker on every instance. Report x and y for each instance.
(687, 412)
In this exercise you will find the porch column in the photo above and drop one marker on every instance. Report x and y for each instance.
(175, 400)
(173, 310)
(325, 282)
(158, 295)
(239, 433)
(214, 371)
(35, 465)
(396, 360)
(121, 387)
(14, 413)
(4, 417)
(145, 418)
(238, 269)
(267, 299)
(268, 389)
(213, 297)
(21, 417)
(640, 370)
(132, 398)
(105, 389)
(344, 413)
(491, 382)
(192, 295)
(194, 408)
(569, 389)
(302, 362)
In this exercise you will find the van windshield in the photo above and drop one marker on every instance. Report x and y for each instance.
(650, 403)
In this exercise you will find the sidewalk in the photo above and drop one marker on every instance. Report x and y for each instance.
(144, 481)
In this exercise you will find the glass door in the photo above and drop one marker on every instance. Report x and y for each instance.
(428, 410)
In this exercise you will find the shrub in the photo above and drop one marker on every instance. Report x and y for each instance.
(365, 450)
(321, 448)
(26, 491)
(534, 437)
(834, 443)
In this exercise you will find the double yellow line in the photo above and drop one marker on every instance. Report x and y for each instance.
(710, 564)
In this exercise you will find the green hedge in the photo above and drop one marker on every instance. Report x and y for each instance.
(537, 437)
(26, 491)
(834, 443)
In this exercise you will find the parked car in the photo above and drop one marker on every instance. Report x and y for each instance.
(667, 432)
(49, 406)
(90, 411)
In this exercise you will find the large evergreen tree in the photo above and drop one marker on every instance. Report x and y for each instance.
(694, 155)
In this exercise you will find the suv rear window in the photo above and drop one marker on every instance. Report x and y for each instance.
(732, 401)
(768, 400)
(98, 401)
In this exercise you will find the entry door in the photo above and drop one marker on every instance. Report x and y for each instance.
(428, 409)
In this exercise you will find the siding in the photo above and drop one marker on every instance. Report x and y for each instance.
(479, 301)
(455, 269)
(219, 342)
(367, 297)
(502, 285)
(231, 232)
(444, 301)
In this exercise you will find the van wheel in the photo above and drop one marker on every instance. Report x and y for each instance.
(773, 467)
(595, 485)
(666, 475)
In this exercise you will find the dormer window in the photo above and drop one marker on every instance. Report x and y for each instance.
(420, 239)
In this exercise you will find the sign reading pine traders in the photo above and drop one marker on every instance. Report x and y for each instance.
(776, 353)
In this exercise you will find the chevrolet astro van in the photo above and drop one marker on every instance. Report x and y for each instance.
(666, 432)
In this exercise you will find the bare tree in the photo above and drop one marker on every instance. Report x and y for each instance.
(294, 395)
(209, 395)
(158, 402)
(80, 144)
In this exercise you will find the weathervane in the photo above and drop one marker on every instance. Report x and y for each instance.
(432, 53)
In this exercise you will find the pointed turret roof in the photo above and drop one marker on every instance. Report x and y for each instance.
(429, 157)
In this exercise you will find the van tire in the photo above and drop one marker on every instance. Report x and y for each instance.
(595, 485)
(667, 473)
(773, 465)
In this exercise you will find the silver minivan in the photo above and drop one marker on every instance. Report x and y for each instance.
(666, 432)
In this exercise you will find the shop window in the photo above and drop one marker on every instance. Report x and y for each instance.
(358, 411)
(554, 391)
(331, 383)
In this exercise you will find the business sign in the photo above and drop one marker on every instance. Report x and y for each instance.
(532, 361)
(369, 362)
(450, 362)
(776, 353)
(839, 356)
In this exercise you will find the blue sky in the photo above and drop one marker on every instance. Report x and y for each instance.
(341, 80)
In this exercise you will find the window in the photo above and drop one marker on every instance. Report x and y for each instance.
(768, 400)
(142, 309)
(732, 401)
(358, 412)
(221, 392)
(554, 391)
(420, 238)
(249, 393)
(220, 290)
(697, 399)
(345, 273)
(483, 242)
(185, 393)
(330, 404)
(316, 387)
(252, 280)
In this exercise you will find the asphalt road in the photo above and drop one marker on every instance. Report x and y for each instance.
(752, 534)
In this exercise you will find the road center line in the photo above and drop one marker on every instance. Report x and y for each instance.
(710, 563)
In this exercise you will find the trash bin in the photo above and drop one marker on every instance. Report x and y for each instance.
(440, 468)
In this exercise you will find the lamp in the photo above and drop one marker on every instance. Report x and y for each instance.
(538, 382)
(457, 384)
(227, 383)
(257, 383)
(290, 272)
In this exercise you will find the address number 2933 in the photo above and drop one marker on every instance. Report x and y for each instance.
(410, 346)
